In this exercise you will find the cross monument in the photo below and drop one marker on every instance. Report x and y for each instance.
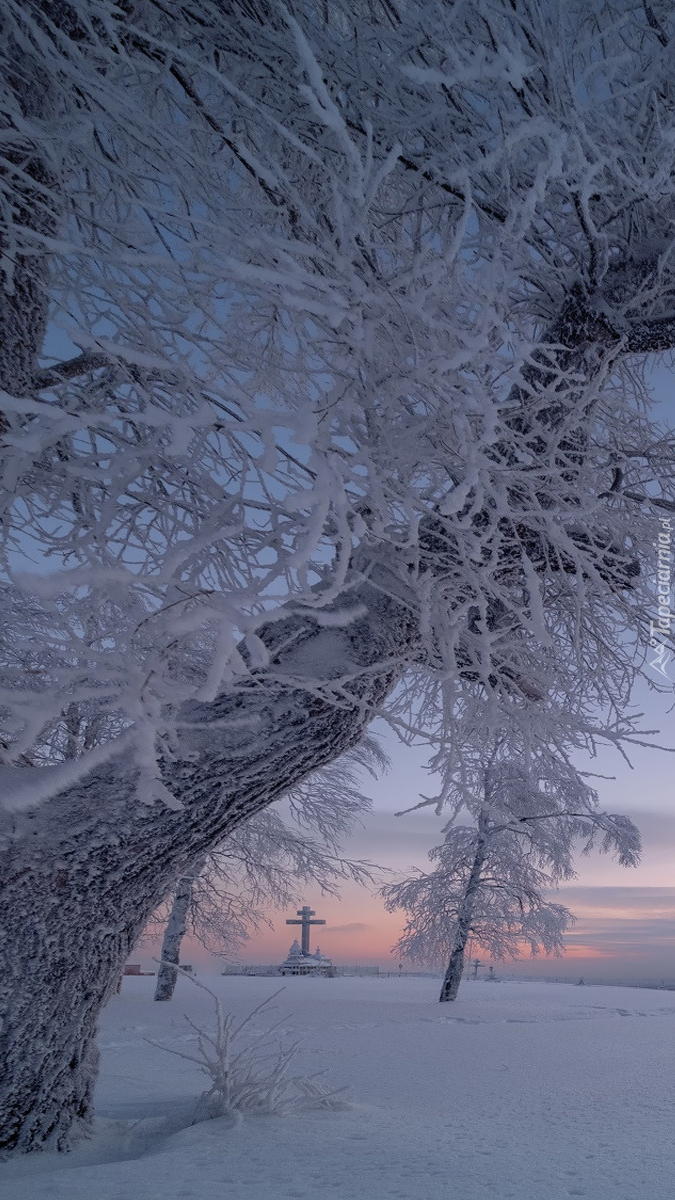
(305, 913)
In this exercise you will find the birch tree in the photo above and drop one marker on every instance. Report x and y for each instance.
(322, 333)
(491, 876)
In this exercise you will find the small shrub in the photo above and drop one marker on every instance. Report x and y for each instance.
(254, 1076)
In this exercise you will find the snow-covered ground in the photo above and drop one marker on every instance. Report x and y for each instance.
(535, 1091)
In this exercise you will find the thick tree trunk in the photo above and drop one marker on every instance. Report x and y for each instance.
(81, 875)
(175, 931)
(453, 975)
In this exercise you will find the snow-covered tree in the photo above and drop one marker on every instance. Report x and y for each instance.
(486, 890)
(267, 862)
(490, 877)
(322, 333)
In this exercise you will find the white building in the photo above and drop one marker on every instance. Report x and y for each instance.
(297, 963)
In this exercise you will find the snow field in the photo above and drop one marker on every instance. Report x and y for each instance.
(532, 1091)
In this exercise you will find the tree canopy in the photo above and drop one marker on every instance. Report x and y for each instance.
(290, 292)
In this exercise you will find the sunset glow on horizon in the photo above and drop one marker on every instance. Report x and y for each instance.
(625, 927)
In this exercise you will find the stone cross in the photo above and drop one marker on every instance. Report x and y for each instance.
(305, 913)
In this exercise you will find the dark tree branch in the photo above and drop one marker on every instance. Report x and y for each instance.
(72, 368)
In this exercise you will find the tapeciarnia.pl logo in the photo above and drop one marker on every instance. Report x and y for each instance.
(660, 628)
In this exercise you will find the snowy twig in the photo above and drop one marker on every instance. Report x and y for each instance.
(253, 1078)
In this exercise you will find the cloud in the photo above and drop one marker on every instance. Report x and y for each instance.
(628, 923)
(353, 927)
(629, 901)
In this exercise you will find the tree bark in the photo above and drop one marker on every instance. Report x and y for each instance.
(82, 874)
(30, 218)
(453, 975)
(175, 932)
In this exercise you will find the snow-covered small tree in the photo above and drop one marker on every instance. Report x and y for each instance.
(491, 876)
(485, 889)
(252, 1077)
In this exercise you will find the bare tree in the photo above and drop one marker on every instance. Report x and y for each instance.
(321, 348)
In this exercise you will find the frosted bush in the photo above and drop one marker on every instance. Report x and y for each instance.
(250, 1075)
